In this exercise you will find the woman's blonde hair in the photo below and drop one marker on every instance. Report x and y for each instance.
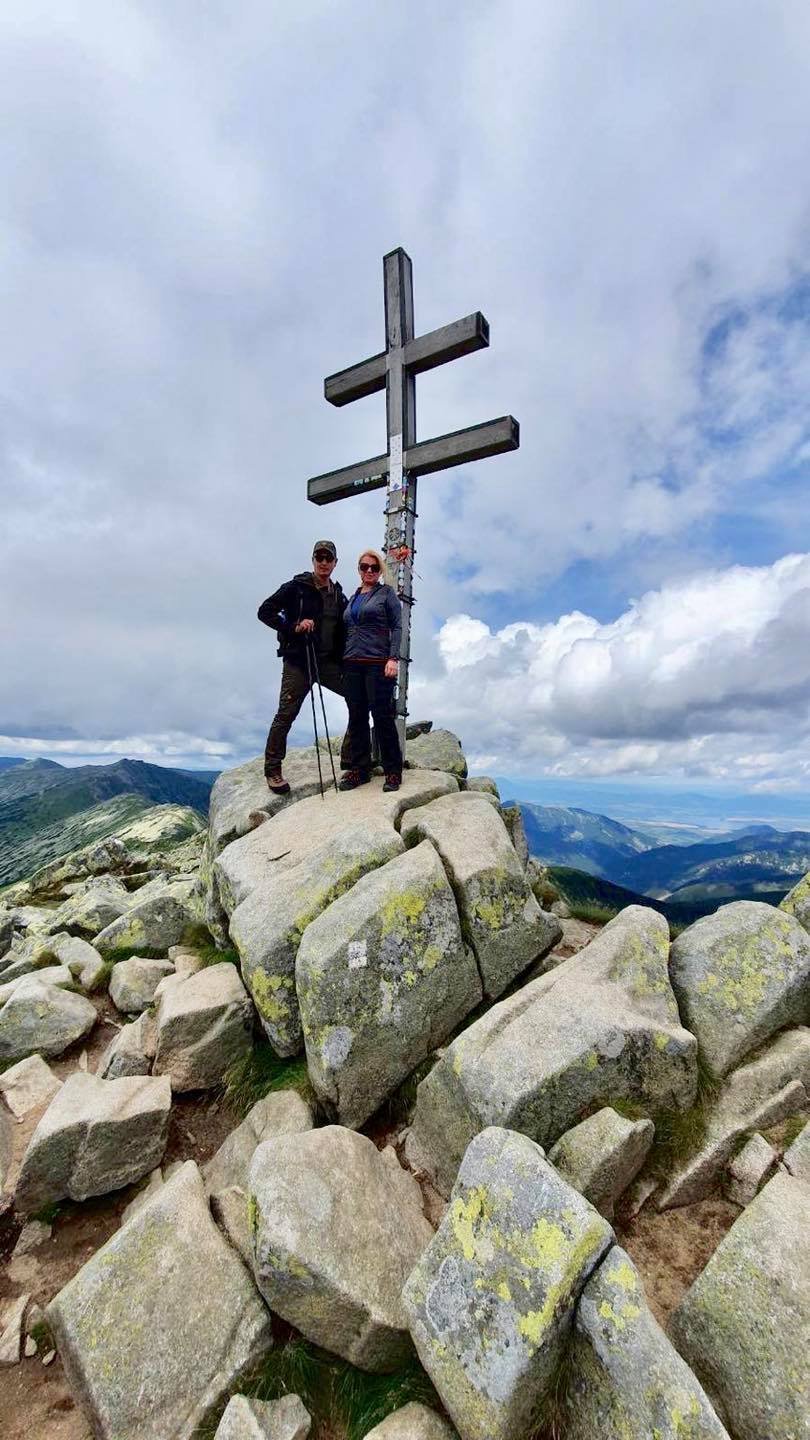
(375, 555)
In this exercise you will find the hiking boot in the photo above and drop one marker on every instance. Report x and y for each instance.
(276, 783)
(392, 782)
(353, 778)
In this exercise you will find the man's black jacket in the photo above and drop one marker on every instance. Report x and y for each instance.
(300, 599)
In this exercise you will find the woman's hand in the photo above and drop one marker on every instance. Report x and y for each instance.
(391, 668)
(305, 627)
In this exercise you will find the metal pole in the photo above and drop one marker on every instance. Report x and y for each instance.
(314, 720)
(400, 414)
(323, 712)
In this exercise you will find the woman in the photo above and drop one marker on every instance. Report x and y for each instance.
(373, 627)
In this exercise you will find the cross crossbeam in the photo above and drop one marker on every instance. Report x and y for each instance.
(394, 370)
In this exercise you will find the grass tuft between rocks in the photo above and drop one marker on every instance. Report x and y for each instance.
(259, 1073)
(342, 1400)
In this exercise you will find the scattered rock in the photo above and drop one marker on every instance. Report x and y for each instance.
(101, 858)
(204, 1024)
(6, 1143)
(337, 1227)
(499, 914)
(81, 958)
(152, 924)
(185, 961)
(35, 1233)
(638, 1195)
(133, 982)
(437, 750)
(11, 1339)
(602, 1155)
(744, 1324)
(512, 816)
(797, 902)
(57, 975)
(484, 784)
(797, 1158)
(283, 1112)
(768, 1089)
(96, 1136)
(601, 1027)
(740, 975)
(27, 1085)
(626, 1382)
(491, 1301)
(412, 1422)
(160, 1323)
(49, 1358)
(29, 1348)
(92, 908)
(284, 1419)
(43, 1019)
(749, 1169)
(131, 1051)
(383, 977)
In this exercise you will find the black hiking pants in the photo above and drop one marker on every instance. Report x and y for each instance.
(294, 691)
(368, 690)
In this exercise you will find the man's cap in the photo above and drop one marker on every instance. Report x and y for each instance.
(325, 545)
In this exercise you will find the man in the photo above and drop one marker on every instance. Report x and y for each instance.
(307, 614)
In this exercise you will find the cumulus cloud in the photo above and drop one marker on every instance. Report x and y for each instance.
(709, 675)
(194, 203)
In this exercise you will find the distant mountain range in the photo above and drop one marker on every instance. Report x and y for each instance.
(47, 809)
(758, 862)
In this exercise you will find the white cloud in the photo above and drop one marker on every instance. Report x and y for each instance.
(193, 207)
(709, 675)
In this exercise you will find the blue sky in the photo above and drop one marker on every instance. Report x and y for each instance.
(194, 205)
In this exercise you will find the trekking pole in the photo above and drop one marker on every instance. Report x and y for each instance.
(314, 720)
(323, 711)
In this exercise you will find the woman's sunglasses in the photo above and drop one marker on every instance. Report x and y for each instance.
(375, 569)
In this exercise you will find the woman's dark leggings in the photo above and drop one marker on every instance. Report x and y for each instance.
(368, 690)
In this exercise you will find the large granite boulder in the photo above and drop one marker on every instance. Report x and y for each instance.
(103, 857)
(268, 925)
(43, 1020)
(740, 975)
(797, 902)
(412, 1422)
(45, 975)
(158, 1326)
(337, 1227)
(500, 917)
(625, 1381)
(744, 1326)
(492, 1299)
(27, 1085)
(274, 881)
(81, 958)
(204, 1024)
(602, 1155)
(133, 983)
(95, 1136)
(768, 1089)
(151, 924)
(748, 1170)
(437, 750)
(283, 1112)
(602, 1027)
(131, 1050)
(97, 904)
(383, 977)
(284, 1419)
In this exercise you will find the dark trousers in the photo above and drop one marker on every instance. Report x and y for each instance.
(294, 691)
(368, 690)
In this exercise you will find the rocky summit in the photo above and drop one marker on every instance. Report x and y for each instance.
(328, 1089)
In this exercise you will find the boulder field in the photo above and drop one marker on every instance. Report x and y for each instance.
(370, 941)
